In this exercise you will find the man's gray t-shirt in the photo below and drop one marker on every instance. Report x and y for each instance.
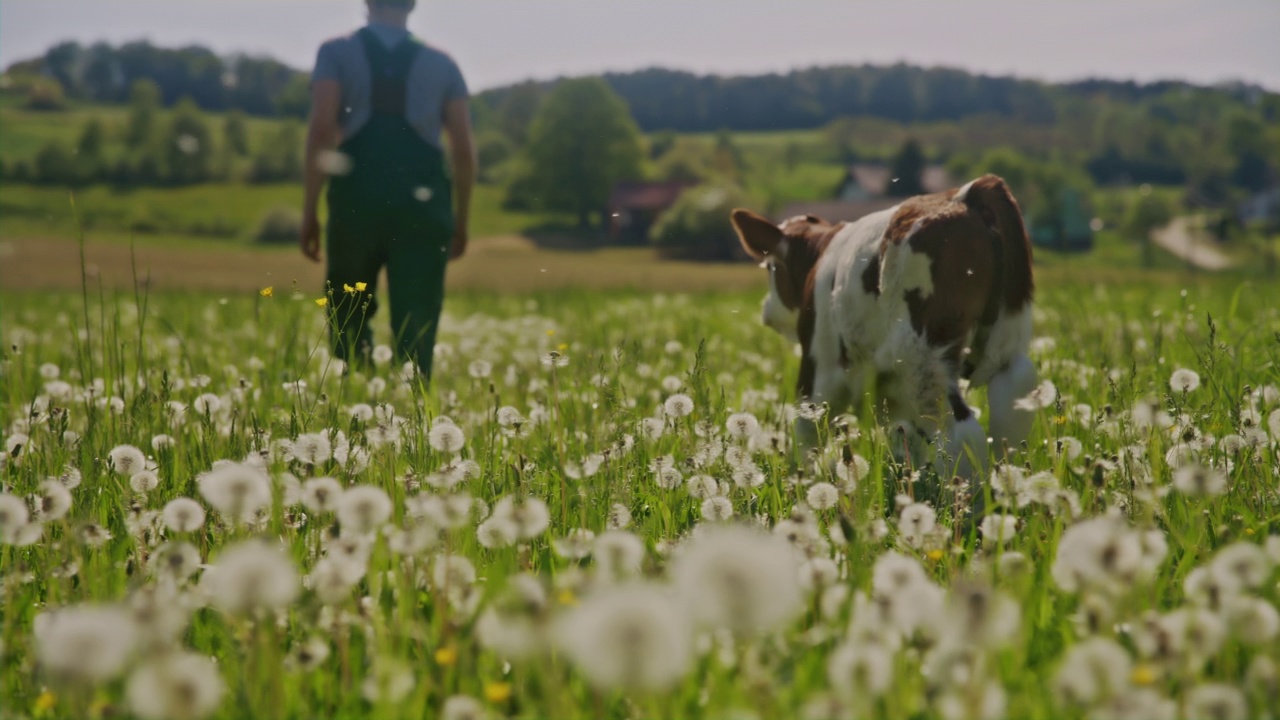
(434, 79)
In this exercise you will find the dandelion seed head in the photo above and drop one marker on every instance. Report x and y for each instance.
(822, 496)
(321, 494)
(619, 517)
(311, 448)
(576, 545)
(446, 437)
(1216, 700)
(144, 482)
(1199, 481)
(363, 508)
(86, 643)
(251, 575)
(126, 460)
(53, 502)
(389, 682)
(1000, 529)
(528, 515)
(678, 406)
(1184, 381)
(175, 561)
(737, 578)
(463, 707)
(857, 669)
(716, 508)
(236, 490)
(742, 425)
(630, 636)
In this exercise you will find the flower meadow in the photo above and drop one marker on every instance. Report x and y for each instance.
(595, 510)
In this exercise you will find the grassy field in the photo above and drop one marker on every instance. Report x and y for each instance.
(595, 511)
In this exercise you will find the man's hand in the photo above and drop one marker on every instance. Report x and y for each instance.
(309, 238)
(458, 247)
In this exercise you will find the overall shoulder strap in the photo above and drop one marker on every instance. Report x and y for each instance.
(389, 71)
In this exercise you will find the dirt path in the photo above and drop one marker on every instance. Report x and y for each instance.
(1184, 241)
(497, 264)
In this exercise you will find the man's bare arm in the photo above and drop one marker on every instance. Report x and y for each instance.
(323, 135)
(462, 154)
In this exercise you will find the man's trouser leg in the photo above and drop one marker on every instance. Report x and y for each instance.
(418, 251)
(355, 253)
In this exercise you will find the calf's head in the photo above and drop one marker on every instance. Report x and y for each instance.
(790, 252)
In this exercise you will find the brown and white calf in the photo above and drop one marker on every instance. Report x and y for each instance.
(913, 298)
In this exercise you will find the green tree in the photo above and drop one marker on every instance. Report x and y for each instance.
(54, 164)
(1149, 212)
(697, 226)
(685, 161)
(235, 133)
(280, 159)
(188, 150)
(907, 171)
(88, 161)
(581, 142)
(726, 158)
(517, 110)
(144, 106)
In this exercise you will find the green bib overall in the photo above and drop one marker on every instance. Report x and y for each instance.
(393, 208)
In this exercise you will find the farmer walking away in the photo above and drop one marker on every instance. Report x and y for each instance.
(379, 100)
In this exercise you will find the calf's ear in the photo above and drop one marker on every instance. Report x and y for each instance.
(760, 237)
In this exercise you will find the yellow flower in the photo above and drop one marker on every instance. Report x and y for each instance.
(566, 597)
(347, 289)
(551, 332)
(1248, 531)
(497, 692)
(44, 703)
(446, 655)
(562, 347)
(321, 302)
(361, 286)
(266, 291)
(934, 555)
(1142, 675)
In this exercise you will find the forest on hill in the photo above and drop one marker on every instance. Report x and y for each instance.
(139, 115)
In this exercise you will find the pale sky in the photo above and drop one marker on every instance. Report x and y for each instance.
(502, 41)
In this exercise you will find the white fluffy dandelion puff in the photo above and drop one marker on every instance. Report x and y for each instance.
(126, 459)
(311, 448)
(822, 496)
(53, 502)
(528, 515)
(678, 405)
(363, 508)
(1184, 381)
(717, 508)
(739, 578)
(183, 515)
(446, 437)
(14, 515)
(1042, 397)
(1197, 480)
(630, 636)
(85, 643)
(144, 482)
(321, 494)
(251, 575)
(179, 685)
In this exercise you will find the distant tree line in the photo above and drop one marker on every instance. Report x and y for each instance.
(105, 73)
(1218, 142)
(182, 146)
